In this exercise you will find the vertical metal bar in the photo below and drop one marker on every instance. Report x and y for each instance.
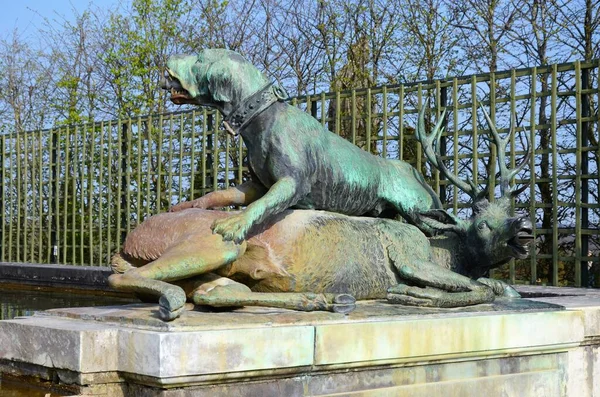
(120, 127)
(240, 175)
(180, 191)
(204, 146)
(215, 172)
(435, 172)
(227, 148)
(532, 183)
(553, 92)
(3, 197)
(455, 145)
(579, 263)
(170, 166)
(192, 155)
(82, 159)
(56, 152)
(475, 131)
(585, 136)
(493, 148)
(443, 103)
(513, 116)
(401, 125)
(11, 188)
(40, 212)
(101, 184)
(74, 196)
(353, 117)
(385, 121)
(22, 225)
(368, 121)
(323, 112)
(31, 208)
(90, 197)
(18, 192)
(337, 112)
(420, 104)
(149, 143)
(138, 179)
(127, 191)
(159, 164)
(66, 195)
(109, 188)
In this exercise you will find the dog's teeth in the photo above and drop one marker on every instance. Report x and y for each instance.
(173, 92)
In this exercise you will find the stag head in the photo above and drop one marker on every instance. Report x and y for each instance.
(491, 237)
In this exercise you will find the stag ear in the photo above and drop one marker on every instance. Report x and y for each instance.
(440, 220)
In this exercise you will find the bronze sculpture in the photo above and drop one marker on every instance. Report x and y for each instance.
(293, 160)
(316, 260)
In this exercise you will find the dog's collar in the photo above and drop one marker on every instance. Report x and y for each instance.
(251, 106)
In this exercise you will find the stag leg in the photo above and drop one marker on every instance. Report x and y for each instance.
(435, 286)
(191, 257)
(215, 291)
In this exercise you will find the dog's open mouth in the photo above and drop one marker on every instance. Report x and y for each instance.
(521, 243)
(178, 94)
(179, 97)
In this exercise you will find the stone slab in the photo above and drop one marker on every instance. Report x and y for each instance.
(380, 349)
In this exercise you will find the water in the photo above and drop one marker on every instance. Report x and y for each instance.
(15, 302)
(24, 302)
(10, 388)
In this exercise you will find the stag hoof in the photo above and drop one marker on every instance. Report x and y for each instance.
(166, 315)
(171, 304)
(343, 303)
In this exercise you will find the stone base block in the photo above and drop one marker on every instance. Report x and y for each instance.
(510, 348)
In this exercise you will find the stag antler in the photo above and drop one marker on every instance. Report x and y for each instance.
(507, 175)
(431, 148)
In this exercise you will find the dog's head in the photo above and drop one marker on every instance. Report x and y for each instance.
(216, 77)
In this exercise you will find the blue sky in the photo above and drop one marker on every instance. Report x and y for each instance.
(28, 15)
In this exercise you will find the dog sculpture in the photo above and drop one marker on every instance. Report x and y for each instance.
(316, 260)
(293, 160)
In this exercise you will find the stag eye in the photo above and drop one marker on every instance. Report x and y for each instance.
(483, 225)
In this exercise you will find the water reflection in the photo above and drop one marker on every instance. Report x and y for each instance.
(10, 388)
(14, 303)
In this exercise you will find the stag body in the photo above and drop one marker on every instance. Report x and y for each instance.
(327, 254)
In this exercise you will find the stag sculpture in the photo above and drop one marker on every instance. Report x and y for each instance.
(315, 260)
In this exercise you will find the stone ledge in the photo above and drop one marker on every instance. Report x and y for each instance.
(73, 277)
(219, 353)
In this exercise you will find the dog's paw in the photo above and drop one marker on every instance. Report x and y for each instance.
(198, 203)
(414, 296)
(234, 228)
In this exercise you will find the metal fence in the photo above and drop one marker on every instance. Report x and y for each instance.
(70, 194)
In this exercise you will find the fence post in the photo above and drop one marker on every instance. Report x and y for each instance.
(53, 204)
(2, 208)
(124, 187)
(210, 127)
(443, 143)
(585, 131)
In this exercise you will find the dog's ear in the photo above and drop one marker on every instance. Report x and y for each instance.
(220, 84)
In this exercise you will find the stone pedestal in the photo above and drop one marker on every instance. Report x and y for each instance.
(540, 346)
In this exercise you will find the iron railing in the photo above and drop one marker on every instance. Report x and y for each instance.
(70, 194)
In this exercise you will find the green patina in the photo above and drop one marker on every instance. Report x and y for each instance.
(307, 260)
